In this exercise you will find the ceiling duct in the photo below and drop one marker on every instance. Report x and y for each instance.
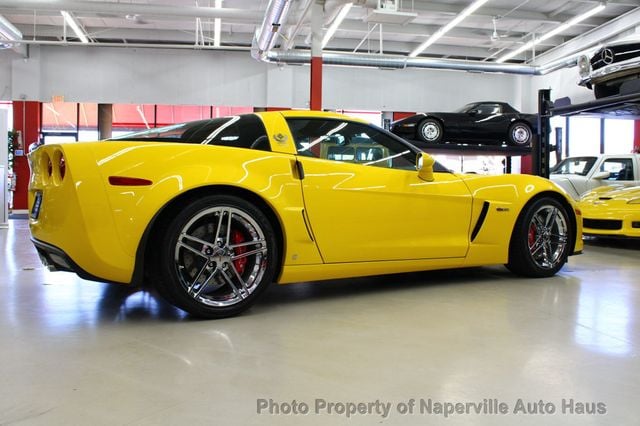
(8, 33)
(402, 62)
(276, 16)
(266, 36)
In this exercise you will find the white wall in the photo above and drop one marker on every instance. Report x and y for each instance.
(563, 83)
(191, 77)
(415, 89)
(6, 58)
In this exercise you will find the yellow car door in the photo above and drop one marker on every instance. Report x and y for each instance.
(365, 202)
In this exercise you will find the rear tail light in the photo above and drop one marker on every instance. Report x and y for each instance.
(59, 167)
(62, 166)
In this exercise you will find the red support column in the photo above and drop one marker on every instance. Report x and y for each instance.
(526, 166)
(315, 86)
(315, 99)
(26, 119)
(636, 136)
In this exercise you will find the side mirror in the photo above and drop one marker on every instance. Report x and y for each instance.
(474, 112)
(601, 175)
(424, 165)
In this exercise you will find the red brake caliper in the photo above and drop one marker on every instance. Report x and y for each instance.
(532, 235)
(237, 238)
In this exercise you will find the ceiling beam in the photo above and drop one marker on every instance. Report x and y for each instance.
(606, 32)
(144, 9)
(488, 12)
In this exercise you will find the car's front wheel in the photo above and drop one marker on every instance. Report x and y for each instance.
(520, 134)
(541, 238)
(430, 131)
(216, 256)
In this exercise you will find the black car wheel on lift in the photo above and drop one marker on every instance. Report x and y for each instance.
(430, 131)
(520, 134)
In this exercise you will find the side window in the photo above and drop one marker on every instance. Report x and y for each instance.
(489, 109)
(243, 131)
(618, 168)
(345, 141)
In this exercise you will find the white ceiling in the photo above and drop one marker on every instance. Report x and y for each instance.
(160, 22)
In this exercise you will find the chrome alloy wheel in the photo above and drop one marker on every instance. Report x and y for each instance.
(521, 134)
(430, 131)
(220, 256)
(548, 234)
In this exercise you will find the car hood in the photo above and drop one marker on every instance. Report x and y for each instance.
(566, 182)
(612, 193)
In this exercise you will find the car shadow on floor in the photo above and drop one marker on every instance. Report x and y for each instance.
(329, 289)
(122, 303)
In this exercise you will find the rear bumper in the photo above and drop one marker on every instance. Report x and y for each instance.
(55, 259)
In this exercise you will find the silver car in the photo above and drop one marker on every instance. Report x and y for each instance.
(578, 175)
(612, 70)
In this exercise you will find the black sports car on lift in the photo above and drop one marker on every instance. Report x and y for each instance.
(491, 123)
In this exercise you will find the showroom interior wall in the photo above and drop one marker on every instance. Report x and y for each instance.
(198, 77)
(563, 82)
(6, 60)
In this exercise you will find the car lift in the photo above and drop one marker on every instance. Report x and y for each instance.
(625, 106)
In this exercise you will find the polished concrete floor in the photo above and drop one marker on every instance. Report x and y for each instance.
(81, 353)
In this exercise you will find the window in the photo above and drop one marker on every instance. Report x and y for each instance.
(584, 135)
(487, 109)
(350, 142)
(243, 131)
(574, 166)
(618, 168)
(618, 136)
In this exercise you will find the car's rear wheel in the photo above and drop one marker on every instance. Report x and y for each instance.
(216, 256)
(430, 131)
(520, 134)
(540, 242)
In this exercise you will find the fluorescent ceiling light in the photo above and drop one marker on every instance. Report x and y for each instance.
(445, 29)
(562, 27)
(8, 31)
(75, 26)
(336, 23)
(217, 25)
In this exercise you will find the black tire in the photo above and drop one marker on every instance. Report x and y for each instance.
(430, 131)
(216, 256)
(541, 238)
(604, 90)
(520, 134)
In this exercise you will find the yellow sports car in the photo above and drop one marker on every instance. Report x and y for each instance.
(611, 211)
(211, 212)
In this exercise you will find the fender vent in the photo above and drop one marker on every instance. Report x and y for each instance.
(481, 218)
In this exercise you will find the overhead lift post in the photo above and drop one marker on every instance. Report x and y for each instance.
(540, 154)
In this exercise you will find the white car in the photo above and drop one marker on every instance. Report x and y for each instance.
(578, 175)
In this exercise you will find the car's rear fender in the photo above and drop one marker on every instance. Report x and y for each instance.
(74, 210)
(145, 254)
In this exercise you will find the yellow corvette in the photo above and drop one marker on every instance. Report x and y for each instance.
(210, 212)
(612, 211)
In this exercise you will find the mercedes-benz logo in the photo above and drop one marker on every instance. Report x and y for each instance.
(608, 56)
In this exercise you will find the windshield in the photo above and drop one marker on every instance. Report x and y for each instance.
(574, 166)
